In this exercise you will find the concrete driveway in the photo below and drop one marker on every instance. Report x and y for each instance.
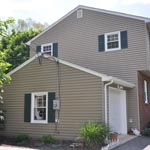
(138, 143)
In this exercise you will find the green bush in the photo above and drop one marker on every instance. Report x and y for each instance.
(94, 133)
(146, 132)
(148, 124)
(48, 139)
(22, 137)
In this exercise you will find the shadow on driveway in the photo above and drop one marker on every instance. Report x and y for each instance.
(138, 143)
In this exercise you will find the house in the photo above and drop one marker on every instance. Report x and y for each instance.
(91, 64)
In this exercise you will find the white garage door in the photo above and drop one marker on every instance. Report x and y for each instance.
(117, 110)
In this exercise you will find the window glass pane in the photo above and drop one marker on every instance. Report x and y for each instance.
(113, 45)
(39, 108)
(40, 113)
(145, 92)
(112, 41)
(47, 48)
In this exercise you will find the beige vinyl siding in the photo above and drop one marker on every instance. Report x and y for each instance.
(81, 99)
(78, 43)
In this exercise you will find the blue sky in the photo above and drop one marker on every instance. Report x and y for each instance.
(51, 10)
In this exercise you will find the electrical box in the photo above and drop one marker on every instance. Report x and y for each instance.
(56, 105)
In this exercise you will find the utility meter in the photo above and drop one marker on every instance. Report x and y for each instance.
(56, 104)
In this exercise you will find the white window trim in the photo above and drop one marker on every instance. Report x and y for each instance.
(119, 42)
(32, 107)
(145, 92)
(47, 44)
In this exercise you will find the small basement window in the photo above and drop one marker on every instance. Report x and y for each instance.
(47, 48)
(112, 41)
(39, 107)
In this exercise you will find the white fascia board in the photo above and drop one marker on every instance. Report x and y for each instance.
(52, 25)
(115, 13)
(118, 81)
(22, 65)
(102, 76)
(93, 9)
(122, 82)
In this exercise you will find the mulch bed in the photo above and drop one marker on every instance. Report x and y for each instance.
(37, 144)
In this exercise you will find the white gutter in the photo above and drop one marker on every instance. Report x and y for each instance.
(106, 100)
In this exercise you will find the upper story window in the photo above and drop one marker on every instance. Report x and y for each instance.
(39, 107)
(112, 41)
(47, 48)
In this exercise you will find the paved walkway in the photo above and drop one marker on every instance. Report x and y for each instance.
(138, 143)
(8, 147)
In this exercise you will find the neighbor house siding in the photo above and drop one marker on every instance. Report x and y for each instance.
(81, 99)
(78, 43)
(143, 107)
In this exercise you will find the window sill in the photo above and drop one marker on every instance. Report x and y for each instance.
(39, 122)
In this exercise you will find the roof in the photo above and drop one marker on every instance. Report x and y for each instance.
(93, 9)
(104, 77)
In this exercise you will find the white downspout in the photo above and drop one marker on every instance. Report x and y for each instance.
(106, 100)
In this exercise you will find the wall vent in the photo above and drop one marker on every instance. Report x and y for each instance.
(79, 13)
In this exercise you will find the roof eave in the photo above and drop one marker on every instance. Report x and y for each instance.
(120, 82)
(102, 76)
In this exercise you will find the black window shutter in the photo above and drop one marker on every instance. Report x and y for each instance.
(27, 107)
(51, 111)
(124, 39)
(101, 43)
(38, 49)
(55, 49)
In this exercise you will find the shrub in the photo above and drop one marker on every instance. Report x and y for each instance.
(146, 132)
(148, 124)
(48, 139)
(22, 137)
(94, 133)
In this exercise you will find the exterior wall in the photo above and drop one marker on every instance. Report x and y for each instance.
(144, 108)
(81, 99)
(78, 43)
(148, 48)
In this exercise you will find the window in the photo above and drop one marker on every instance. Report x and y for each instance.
(112, 41)
(39, 107)
(146, 91)
(47, 48)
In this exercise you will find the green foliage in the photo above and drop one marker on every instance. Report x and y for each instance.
(148, 124)
(15, 48)
(22, 137)
(94, 133)
(146, 132)
(48, 139)
(4, 25)
(4, 66)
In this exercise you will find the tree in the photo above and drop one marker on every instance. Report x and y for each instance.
(4, 78)
(27, 24)
(4, 26)
(13, 50)
(14, 45)
(4, 65)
